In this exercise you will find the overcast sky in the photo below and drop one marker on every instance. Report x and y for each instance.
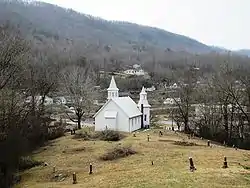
(224, 23)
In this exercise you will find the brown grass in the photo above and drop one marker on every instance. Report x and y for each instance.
(170, 169)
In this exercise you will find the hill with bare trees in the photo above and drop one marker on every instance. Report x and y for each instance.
(43, 20)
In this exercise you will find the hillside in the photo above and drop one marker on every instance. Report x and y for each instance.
(245, 52)
(170, 168)
(50, 21)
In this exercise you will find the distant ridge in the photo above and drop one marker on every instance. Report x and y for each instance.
(44, 20)
(54, 20)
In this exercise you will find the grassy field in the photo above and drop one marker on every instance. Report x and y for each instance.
(170, 169)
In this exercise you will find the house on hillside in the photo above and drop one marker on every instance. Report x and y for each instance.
(60, 100)
(38, 100)
(202, 109)
(122, 113)
(139, 72)
(174, 86)
(136, 66)
(136, 70)
(172, 101)
(152, 88)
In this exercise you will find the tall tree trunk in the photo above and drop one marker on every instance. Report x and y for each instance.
(225, 119)
(79, 118)
(186, 126)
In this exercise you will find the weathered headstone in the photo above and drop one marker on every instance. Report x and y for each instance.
(160, 133)
(90, 169)
(192, 168)
(74, 178)
(225, 162)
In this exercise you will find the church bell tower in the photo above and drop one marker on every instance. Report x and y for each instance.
(113, 91)
(144, 107)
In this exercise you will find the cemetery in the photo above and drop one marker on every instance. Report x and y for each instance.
(146, 158)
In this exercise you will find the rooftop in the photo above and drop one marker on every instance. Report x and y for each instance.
(128, 106)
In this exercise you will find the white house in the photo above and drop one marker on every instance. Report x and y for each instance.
(152, 88)
(130, 71)
(140, 72)
(136, 66)
(122, 113)
(38, 100)
(174, 86)
(60, 100)
(172, 101)
(137, 72)
(202, 109)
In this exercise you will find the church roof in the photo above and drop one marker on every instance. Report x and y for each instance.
(112, 85)
(126, 104)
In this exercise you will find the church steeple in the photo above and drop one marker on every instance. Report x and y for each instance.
(144, 108)
(113, 91)
(143, 99)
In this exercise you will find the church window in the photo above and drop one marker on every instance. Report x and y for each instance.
(145, 117)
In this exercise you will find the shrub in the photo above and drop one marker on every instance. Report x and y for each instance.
(109, 135)
(183, 143)
(55, 132)
(27, 163)
(118, 152)
(106, 135)
(84, 134)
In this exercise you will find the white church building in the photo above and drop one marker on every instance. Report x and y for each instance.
(122, 113)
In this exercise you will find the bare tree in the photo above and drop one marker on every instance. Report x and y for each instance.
(79, 82)
(43, 75)
(207, 114)
(21, 130)
(13, 53)
(186, 93)
(237, 93)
